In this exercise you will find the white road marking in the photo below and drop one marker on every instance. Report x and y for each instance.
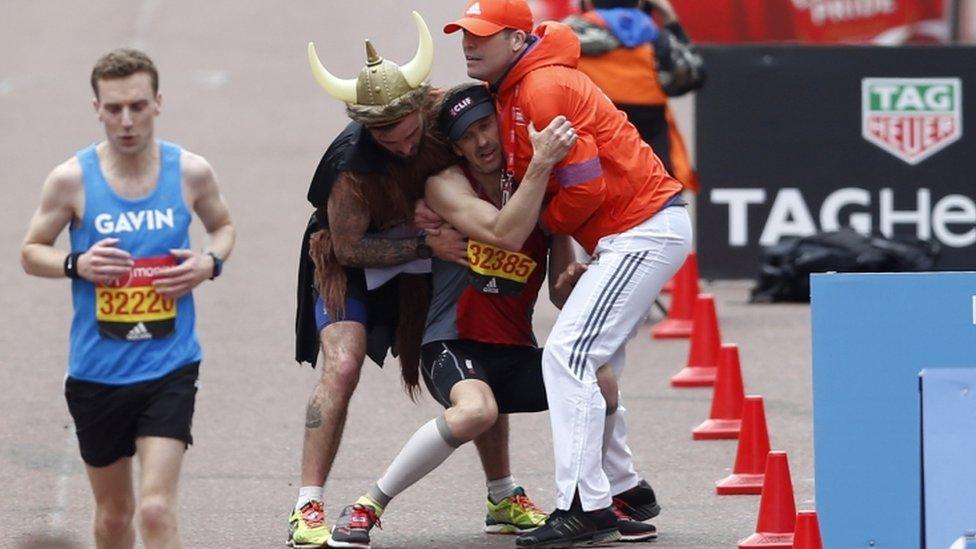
(55, 519)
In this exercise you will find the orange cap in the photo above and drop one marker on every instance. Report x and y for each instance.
(487, 17)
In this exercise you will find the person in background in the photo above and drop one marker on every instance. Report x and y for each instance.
(622, 50)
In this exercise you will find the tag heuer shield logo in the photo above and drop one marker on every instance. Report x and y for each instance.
(911, 118)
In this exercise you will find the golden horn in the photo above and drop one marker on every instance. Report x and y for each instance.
(418, 68)
(372, 58)
(343, 90)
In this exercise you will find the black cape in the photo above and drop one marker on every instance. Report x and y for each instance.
(352, 151)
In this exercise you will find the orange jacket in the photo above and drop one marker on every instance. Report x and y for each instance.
(629, 77)
(611, 180)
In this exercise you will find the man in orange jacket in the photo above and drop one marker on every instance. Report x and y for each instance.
(613, 195)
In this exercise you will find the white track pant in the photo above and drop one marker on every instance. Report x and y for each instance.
(602, 313)
(618, 462)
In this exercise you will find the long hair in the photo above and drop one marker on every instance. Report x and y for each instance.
(414, 298)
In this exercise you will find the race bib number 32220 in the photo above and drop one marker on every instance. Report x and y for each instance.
(129, 309)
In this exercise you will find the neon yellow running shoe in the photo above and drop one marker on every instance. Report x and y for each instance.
(513, 515)
(307, 528)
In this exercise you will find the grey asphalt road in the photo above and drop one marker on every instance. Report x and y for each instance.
(237, 89)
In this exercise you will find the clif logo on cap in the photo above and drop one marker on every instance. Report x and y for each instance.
(456, 109)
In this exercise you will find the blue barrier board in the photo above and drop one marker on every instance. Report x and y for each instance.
(872, 335)
(949, 453)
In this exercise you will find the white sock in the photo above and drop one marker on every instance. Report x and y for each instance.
(307, 494)
(426, 449)
(500, 488)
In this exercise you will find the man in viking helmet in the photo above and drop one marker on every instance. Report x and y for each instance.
(363, 287)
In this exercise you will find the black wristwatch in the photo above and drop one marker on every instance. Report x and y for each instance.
(218, 265)
(71, 266)
(423, 250)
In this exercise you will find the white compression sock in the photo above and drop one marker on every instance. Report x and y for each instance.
(426, 449)
(500, 488)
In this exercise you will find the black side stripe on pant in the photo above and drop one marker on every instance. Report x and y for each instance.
(606, 295)
(586, 325)
(602, 316)
(602, 311)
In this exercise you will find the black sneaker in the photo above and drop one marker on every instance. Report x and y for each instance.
(638, 503)
(633, 530)
(571, 528)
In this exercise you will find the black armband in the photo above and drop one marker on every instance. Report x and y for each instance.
(218, 266)
(71, 265)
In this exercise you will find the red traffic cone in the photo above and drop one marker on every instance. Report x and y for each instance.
(705, 343)
(750, 456)
(725, 419)
(807, 534)
(678, 323)
(777, 509)
(668, 286)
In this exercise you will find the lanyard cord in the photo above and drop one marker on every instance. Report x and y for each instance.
(507, 182)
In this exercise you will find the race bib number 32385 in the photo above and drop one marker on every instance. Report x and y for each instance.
(495, 270)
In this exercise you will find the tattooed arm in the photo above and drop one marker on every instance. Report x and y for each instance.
(349, 220)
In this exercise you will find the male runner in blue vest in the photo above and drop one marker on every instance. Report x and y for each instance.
(134, 354)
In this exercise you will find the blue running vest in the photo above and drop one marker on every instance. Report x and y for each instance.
(125, 333)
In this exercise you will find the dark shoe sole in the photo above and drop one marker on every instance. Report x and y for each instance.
(589, 540)
(604, 537)
(361, 544)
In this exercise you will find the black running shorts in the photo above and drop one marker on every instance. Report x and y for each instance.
(513, 372)
(109, 418)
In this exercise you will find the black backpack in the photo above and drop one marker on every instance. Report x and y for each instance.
(680, 67)
(786, 267)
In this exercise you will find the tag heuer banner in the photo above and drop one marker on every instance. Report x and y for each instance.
(796, 140)
(912, 118)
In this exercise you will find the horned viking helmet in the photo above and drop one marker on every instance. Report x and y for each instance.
(381, 82)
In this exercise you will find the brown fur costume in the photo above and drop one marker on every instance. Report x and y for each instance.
(390, 198)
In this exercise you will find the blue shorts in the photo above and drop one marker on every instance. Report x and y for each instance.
(376, 310)
(355, 312)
